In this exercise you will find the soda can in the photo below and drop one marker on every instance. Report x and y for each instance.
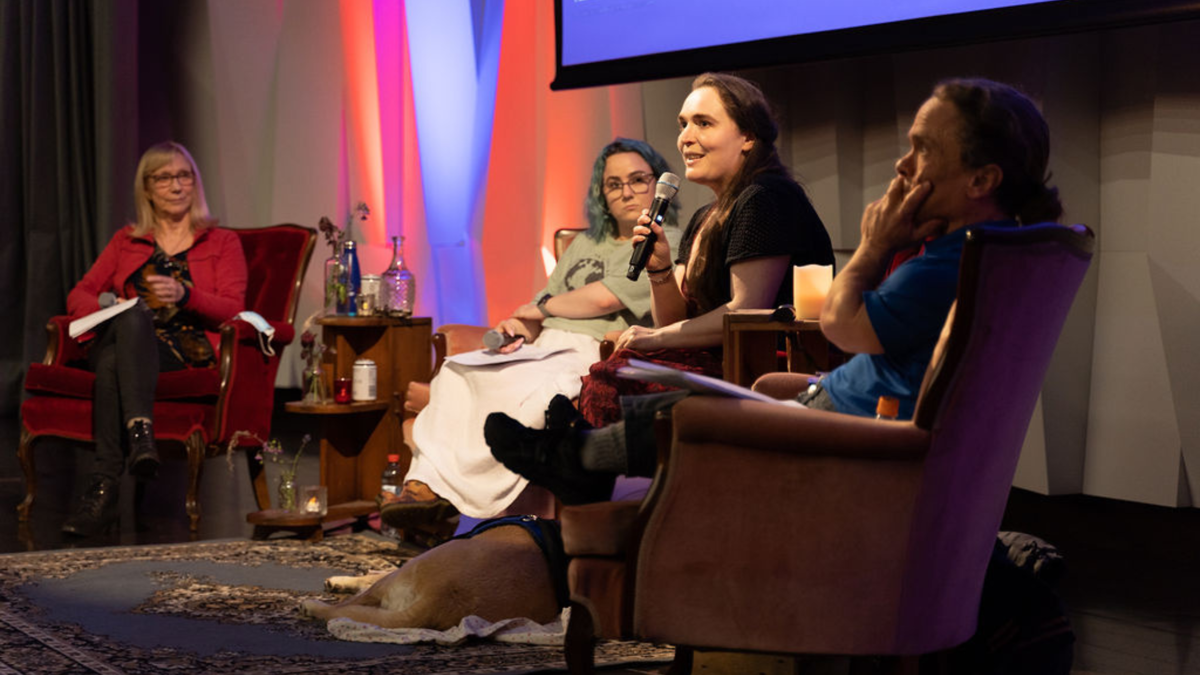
(363, 388)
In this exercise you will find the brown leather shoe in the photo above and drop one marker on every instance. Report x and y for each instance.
(416, 491)
(416, 506)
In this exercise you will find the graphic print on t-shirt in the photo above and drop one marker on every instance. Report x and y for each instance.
(584, 272)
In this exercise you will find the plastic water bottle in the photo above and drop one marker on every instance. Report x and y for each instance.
(391, 482)
(888, 408)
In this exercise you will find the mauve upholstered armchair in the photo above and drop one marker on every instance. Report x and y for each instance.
(782, 530)
(199, 408)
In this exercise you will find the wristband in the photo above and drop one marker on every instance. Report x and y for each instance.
(668, 268)
(663, 279)
(541, 305)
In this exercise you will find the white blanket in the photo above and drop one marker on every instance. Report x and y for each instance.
(520, 631)
(450, 454)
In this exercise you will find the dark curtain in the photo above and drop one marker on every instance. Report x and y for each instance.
(67, 108)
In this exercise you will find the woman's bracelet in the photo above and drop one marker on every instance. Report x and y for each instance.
(661, 277)
(668, 268)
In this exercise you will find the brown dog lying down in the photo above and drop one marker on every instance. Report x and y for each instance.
(505, 568)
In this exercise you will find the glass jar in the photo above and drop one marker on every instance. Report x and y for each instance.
(287, 492)
(398, 287)
(314, 386)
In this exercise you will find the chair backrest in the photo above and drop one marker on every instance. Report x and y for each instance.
(1016, 287)
(563, 238)
(276, 259)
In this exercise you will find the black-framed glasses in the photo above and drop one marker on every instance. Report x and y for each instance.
(640, 184)
(162, 180)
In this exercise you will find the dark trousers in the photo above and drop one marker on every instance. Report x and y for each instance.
(126, 359)
(638, 414)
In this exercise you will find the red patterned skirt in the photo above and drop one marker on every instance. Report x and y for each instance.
(600, 398)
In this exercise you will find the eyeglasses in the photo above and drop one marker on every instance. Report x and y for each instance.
(640, 184)
(162, 180)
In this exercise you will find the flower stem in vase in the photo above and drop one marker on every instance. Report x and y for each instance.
(287, 492)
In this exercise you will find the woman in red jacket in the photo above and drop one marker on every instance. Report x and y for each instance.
(187, 277)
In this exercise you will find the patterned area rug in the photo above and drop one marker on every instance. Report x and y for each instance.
(222, 607)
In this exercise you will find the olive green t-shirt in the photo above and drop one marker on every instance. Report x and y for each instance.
(607, 261)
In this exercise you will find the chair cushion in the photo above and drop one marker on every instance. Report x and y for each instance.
(72, 418)
(188, 384)
(600, 529)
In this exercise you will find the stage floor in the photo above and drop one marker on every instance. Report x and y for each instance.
(1131, 586)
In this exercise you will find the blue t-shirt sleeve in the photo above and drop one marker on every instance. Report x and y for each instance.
(909, 308)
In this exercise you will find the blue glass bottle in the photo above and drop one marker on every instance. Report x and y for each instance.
(353, 279)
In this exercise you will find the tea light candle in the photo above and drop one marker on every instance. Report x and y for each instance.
(341, 390)
(313, 500)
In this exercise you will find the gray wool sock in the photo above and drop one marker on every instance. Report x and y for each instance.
(604, 449)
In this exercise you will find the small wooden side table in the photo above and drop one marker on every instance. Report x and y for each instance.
(357, 437)
(750, 346)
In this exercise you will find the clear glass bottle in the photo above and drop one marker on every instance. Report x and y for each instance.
(398, 286)
(351, 278)
(333, 283)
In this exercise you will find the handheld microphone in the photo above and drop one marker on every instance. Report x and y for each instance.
(664, 192)
(494, 339)
(107, 299)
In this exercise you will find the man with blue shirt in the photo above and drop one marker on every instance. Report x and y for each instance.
(978, 154)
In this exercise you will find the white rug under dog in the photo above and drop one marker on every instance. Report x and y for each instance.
(515, 631)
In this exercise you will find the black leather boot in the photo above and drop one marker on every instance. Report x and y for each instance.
(97, 508)
(562, 413)
(547, 457)
(143, 456)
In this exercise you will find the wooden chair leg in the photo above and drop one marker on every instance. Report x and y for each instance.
(25, 456)
(579, 646)
(682, 665)
(196, 450)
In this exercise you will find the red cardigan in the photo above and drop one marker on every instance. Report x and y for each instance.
(215, 261)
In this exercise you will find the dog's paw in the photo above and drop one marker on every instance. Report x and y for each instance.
(312, 609)
(349, 584)
(343, 584)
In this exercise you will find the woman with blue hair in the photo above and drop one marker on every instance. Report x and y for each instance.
(586, 297)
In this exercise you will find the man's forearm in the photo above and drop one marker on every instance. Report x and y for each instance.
(844, 319)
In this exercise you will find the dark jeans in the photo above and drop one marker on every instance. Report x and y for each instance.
(638, 413)
(127, 360)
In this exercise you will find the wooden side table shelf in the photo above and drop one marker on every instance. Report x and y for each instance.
(357, 437)
(751, 337)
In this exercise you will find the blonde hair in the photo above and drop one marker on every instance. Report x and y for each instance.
(156, 157)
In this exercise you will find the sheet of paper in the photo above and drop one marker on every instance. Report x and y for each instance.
(485, 357)
(701, 384)
(84, 324)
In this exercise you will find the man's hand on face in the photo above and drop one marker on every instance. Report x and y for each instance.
(888, 223)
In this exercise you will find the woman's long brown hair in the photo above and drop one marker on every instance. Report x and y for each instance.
(748, 108)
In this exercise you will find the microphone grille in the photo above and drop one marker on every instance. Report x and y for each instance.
(668, 185)
(493, 339)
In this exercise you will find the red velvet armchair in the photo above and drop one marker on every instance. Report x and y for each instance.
(202, 408)
(783, 530)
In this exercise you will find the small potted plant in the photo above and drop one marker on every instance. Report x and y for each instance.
(272, 450)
